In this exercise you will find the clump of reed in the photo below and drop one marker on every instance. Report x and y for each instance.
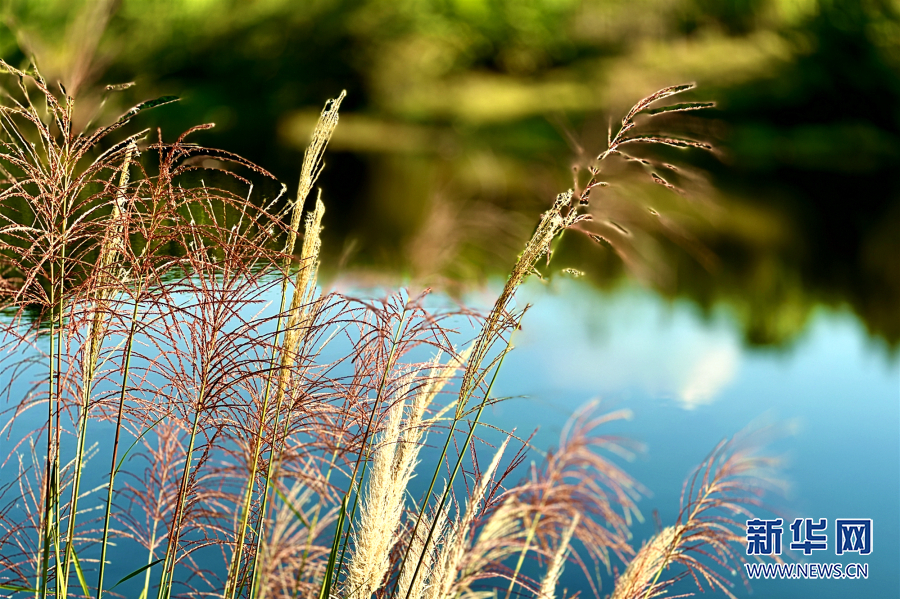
(253, 437)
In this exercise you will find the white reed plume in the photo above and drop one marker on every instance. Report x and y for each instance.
(554, 570)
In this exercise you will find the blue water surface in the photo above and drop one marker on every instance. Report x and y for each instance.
(832, 397)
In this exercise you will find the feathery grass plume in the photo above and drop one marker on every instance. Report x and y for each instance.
(562, 215)
(430, 587)
(205, 392)
(218, 239)
(398, 328)
(715, 502)
(57, 241)
(555, 568)
(288, 551)
(415, 426)
(406, 456)
(335, 410)
(304, 289)
(302, 294)
(56, 193)
(298, 324)
(575, 480)
(209, 246)
(422, 587)
(382, 508)
(499, 538)
(577, 477)
(112, 246)
(312, 163)
(640, 578)
(619, 222)
(643, 106)
(19, 531)
(82, 214)
(114, 466)
(149, 498)
(458, 540)
(393, 468)
(299, 317)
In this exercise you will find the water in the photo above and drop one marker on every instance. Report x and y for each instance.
(690, 382)
(832, 396)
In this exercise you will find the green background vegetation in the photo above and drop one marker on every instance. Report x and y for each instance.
(464, 118)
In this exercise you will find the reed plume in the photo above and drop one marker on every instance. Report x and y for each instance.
(303, 292)
(425, 587)
(382, 508)
(715, 502)
(458, 539)
(393, 468)
(555, 568)
(640, 578)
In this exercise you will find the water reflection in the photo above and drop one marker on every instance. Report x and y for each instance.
(630, 340)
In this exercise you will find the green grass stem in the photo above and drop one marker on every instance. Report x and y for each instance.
(113, 468)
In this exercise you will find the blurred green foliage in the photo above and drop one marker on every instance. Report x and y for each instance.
(464, 117)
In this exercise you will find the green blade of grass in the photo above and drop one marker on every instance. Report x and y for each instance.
(325, 591)
(16, 588)
(141, 436)
(138, 571)
(80, 573)
(291, 507)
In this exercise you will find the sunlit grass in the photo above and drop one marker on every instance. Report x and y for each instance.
(268, 451)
